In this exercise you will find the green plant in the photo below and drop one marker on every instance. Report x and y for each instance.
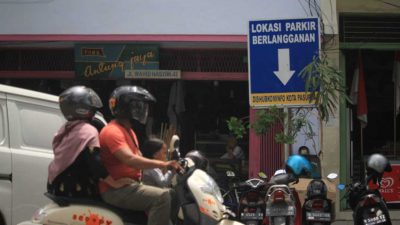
(267, 118)
(263, 122)
(325, 84)
(237, 126)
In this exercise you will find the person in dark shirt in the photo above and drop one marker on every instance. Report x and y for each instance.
(77, 168)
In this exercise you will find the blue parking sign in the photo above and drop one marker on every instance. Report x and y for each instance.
(278, 50)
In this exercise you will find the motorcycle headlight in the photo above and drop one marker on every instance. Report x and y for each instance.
(39, 215)
(212, 189)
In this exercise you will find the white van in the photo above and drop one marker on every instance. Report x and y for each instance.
(28, 122)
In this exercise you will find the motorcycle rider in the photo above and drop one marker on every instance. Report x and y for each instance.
(122, 157)
(76, 148)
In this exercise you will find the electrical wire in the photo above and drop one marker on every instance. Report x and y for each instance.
(392, 4)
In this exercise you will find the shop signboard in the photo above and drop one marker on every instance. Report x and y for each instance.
(278, 50)
(390, 185)
(111, 61)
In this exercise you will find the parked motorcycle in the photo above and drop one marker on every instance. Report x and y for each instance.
(317, 208)
(198, 195)
(247, 198)
(368, 205)
(281, 201)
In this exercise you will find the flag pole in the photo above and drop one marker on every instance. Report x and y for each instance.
(395, 126)
(395, 111)
(362, 150)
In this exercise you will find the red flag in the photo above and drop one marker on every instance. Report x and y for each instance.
(358, 94)
(396, 80)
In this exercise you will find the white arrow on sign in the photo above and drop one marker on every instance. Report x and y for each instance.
(284, 73)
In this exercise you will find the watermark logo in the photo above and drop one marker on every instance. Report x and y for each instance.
(387, 182)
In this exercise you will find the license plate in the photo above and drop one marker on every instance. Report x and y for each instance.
(318, 216)
(280, 211)
(251, 216)
(375, 220)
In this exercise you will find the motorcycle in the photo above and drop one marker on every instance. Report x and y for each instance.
(368, 205)
(248, 199)
(198, 196)
(282, 202)
(317, 208)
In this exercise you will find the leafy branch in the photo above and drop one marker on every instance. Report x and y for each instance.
(265, 119)
(325, 85)
(238, 126)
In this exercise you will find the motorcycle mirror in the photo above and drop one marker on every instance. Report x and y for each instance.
(230, 173)
(332, 176)
(341, 187)
(173, 151)
(262, 175)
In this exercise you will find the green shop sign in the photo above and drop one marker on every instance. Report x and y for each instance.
(111, 61)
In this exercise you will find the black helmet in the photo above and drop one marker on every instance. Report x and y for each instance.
(79, 103)
(316, 188)
(130, 102)
(199, 159)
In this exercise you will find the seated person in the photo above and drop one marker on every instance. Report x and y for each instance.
(233, 150)
(155, 148)
(76, 167)
(303, 150)
(314, 160)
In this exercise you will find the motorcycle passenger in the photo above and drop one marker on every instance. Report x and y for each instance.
(122, 157)
(76, 167)
(155, 148)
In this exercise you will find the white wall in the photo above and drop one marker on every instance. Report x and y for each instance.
(142, 16)
(368, 6)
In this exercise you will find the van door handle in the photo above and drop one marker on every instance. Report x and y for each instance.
(6, 177)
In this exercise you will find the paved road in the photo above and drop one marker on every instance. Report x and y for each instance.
(394, 222)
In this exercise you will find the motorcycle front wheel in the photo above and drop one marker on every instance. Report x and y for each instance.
(229, 199)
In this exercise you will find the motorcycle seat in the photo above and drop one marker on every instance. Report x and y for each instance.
(130, 216)
(281, 179)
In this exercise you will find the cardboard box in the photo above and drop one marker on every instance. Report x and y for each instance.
(301, 189)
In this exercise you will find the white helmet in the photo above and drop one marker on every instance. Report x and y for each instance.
(378, 163)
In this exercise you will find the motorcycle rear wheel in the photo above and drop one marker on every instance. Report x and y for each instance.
(279, 220)
(378, 211)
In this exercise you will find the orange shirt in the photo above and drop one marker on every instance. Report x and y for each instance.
(113, 138)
